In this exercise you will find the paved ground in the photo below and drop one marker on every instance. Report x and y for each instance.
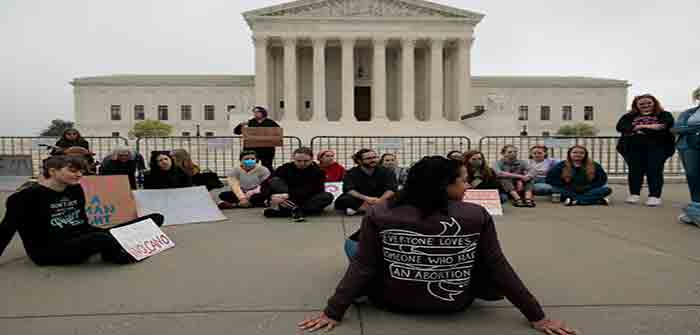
(617, 270)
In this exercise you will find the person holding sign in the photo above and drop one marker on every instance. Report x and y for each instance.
(579, 179)
(246, 183)
(366, 184)
(265, 154)
(426, 251)
(334, 171)
(298, 188)
(514, 175)
(52, 222)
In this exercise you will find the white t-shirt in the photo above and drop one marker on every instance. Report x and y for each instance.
(250, 179)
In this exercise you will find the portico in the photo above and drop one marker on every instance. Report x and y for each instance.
(363, 61)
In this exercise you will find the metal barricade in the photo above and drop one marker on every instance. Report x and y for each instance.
(36, 147)
(408, 149)
(216, 153)
(601, 149)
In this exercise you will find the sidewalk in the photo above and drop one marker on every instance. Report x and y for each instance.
(605, 270)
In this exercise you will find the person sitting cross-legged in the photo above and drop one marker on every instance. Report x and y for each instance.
(164, 174)
(246, 183)
(400, 241)
(366, 184)
(51, 219)
(515, 177)
(298, 188)
(579, 179)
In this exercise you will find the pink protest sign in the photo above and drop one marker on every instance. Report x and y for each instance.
(108, 200)
(488, 199)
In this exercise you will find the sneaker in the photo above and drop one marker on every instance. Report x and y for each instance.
(350, 212)
(226, 205)
(272, 213)
(684, 218)
(653, 202)
(297, 215)
(605, 201)
(632, 199)
(569, 202)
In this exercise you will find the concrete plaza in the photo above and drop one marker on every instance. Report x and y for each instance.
(622, 269)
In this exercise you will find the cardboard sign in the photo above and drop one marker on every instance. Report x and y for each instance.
(335, 188)
(261, 137)
(179, 205)
(108, 200)
(16, 165)
(488, 199)
(142, 239)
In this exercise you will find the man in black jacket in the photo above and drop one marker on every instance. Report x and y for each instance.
(265, 154)
(298, 188)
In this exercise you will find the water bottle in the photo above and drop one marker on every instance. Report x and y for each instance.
(556, 198)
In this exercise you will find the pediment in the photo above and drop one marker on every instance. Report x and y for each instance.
(363, 8)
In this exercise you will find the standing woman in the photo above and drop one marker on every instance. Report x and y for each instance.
(70, 138)
(646, 143)
(265, 154)
(688, 129)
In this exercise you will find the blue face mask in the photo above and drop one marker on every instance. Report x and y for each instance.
(249, 163)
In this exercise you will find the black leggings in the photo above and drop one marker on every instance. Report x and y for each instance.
(646, 161)
(78, 249)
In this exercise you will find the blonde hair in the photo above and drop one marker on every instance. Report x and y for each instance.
(183, 160)
(696, 95)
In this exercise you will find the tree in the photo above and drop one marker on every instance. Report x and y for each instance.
(57, 127)
(152, 128)
(577, 129)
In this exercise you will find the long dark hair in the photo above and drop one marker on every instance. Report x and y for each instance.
(426, 185)
(486, 171)
(567, 173)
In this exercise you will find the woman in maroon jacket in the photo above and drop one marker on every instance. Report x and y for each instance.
(429, 252)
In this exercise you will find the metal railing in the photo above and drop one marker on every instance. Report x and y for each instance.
(36, 147)
(601, 149)
(408, 149)
(217, 153)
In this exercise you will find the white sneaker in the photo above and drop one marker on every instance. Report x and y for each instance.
(350, 211)
(632, 199)
(683, 218)
(653, 202)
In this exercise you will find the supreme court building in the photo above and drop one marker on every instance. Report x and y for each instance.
(354, 67)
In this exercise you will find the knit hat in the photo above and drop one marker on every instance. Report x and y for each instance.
(322, 153)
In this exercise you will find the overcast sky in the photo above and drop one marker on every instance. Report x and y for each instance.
(653, 44)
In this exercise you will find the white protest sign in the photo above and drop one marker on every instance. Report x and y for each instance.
(41, 141)
(389, 144)
(179, 205)
(335, 188)
(552, 142)
(142, 239)
(489, 199)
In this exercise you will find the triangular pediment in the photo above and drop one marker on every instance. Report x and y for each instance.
(363, 8)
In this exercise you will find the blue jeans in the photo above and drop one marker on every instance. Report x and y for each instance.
(541, 187)
(691, 164)
(590, 197)
(351, 247)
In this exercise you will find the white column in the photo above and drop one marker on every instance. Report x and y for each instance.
(261, 74)
(348, 79)
(319, 99)
(408, 82)
(436, 78)
(463, 77)
(290, 79)
(379, 80)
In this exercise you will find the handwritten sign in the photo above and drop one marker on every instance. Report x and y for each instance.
(335, 188)
(142, 239)
(489, 199)
(16, 165)
(180, 205)
(108, 200)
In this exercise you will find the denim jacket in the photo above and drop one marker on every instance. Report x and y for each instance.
(688, 136)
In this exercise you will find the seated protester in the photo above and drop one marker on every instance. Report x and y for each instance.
(298, 188)
(579, 179)
(183, 160)
(366, 184)
(540, 164)
(164, 174)
(122, 161)
(333, 170)
(246, 182)
(480, 176)
(389, 161)
(51, 219)
(514, 177)
(455, 155)
(429, 206)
